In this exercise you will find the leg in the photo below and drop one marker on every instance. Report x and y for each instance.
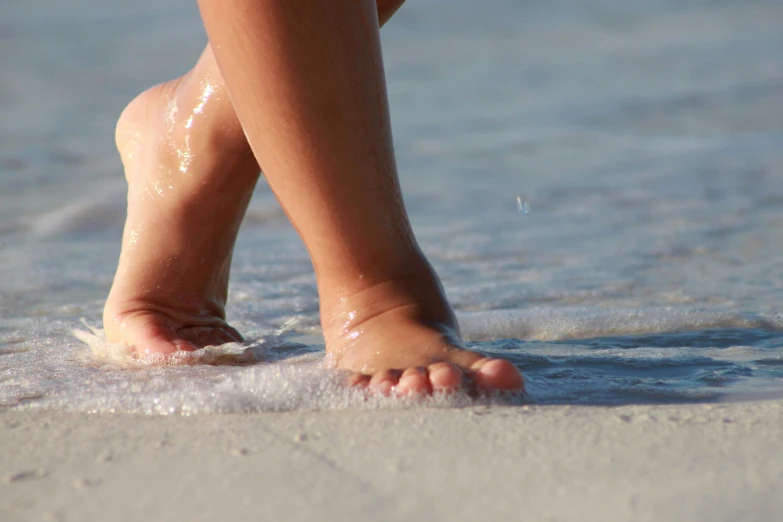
(190, 175)
(306, 81)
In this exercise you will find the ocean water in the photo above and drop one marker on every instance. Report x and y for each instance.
(645, 139)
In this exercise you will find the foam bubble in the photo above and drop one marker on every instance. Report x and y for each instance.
(122, 356)
(579, 355)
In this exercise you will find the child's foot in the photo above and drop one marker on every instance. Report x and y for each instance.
(189, 181)
(190, 176)
(187, 193)
(401, 335)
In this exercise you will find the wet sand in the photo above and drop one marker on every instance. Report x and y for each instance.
(685, 462)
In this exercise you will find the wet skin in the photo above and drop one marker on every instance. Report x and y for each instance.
(189, 148)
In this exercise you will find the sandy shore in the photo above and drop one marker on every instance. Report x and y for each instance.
(689, 463)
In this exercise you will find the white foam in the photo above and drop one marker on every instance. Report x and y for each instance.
(204, 381)
(122, 356)
(273, 373)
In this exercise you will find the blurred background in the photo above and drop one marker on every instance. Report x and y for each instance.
(646, 136)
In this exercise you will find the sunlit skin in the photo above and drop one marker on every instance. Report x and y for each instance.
(304, 94)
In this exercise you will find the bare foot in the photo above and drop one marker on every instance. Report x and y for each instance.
(187, 193)
(190, 179)
(400, 336)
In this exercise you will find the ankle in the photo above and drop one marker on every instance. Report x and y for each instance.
(353, 300)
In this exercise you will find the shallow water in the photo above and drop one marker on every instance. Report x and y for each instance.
(647, 138)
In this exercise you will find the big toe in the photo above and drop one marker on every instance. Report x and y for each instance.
(497, 374)
(156, 345)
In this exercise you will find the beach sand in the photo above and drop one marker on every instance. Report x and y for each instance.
(685, 462)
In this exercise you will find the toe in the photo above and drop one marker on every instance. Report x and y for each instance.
(163, 346)
(414, 381)
(197, 335)
(384, 381)
(227, 335)
(184, 346)
(203, 336)
(160, 340)
(497, 374)
(233, 334)
(445, 377)
(357, 380)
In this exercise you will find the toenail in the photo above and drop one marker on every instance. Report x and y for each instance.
(442, 367)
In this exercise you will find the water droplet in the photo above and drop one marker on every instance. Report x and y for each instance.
(522, 205)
